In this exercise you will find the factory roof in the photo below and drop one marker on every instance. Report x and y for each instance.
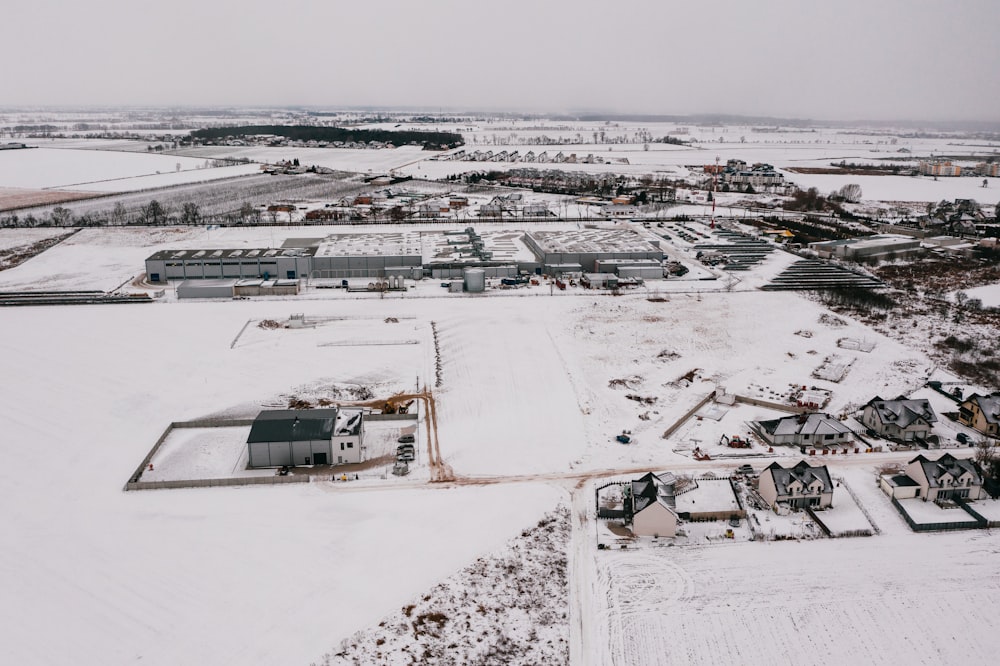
(220, 255)
(293, 425)
(592, 240)
(400, 243)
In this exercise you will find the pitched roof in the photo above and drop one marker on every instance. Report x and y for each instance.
(646, 490)
(811, 424)
(803, 472)
(947, 464)
(989, 405)
(293, 425)
(902, 411)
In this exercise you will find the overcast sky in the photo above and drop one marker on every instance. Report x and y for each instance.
(836, 59)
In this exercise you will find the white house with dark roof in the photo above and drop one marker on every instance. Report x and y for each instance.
(798, 487)
(815, 430)
(947, 477)
(901, 419)
(981, 412)
(650, 505)
(305, 437)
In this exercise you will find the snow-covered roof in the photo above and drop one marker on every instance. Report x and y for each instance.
(949, 465)
(989, 405)
(805, 424)
(803, 473)
(902, 411)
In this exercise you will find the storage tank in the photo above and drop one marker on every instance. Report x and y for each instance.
(475, 280)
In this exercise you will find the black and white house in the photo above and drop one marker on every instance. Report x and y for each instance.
(306, 437)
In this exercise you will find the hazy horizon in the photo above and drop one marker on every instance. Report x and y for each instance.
(895, 60)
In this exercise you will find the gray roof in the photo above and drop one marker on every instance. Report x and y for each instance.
(293, 425)
(901, 480)
(805, 424)
(901, 411)
(947, 464)
(803, 472)
(989, 405)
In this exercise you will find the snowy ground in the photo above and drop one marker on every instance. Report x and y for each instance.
(229, 575)
(103, 170)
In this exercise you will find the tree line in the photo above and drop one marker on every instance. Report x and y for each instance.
(429, 140)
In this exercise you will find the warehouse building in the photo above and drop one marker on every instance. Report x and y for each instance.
(277, 263)
(306, 437)
(558, 250)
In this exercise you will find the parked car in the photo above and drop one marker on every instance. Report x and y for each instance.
(745, 469)
(406, 439)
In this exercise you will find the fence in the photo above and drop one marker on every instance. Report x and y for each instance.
(391, 417)
(211, 483)
(701, 403)
(202, 423)
(938, 527)
(860, 505)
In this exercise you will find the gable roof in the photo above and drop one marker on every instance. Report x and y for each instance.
(805, 424)
(947, 464)
(803, 472)
(649, 489)
(902, 411)
(293, 425)
(988, 404)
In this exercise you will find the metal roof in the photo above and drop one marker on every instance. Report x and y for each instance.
(293, 425)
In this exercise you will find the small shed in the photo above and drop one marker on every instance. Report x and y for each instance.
(206, 289)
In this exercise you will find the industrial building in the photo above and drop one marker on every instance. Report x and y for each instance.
(882, 246)
(579, 250)
(283, 263)
(414, 255)
(306, 437)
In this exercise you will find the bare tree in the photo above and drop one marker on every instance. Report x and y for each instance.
(850, 193)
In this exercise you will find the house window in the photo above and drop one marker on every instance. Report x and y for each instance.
(350, 445)
(341, 446)
(828, 436)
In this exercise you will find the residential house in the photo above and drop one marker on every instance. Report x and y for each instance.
(648, 504)
(982, 413)
(947, 477)
(801, 486)
(815, 430)
(901, 419)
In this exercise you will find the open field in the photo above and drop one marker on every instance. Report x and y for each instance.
(530, 387)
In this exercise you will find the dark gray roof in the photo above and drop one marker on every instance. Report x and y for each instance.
(989, 405)
(902, 480)
(803, 472)
(812, 424)
(947, 464)
(293, 425)
(901, 411)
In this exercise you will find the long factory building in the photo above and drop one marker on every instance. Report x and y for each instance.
(414, 255)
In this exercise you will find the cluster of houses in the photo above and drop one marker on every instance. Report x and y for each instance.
(901, 419)
(529, 157)
(947, 169)
(737, 175)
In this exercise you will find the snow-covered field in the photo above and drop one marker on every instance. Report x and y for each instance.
(879, 600)
(527, 406)
(105, 171)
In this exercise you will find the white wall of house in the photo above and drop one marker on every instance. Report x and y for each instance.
(655, 520)
(767, 489)
(346, 449)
